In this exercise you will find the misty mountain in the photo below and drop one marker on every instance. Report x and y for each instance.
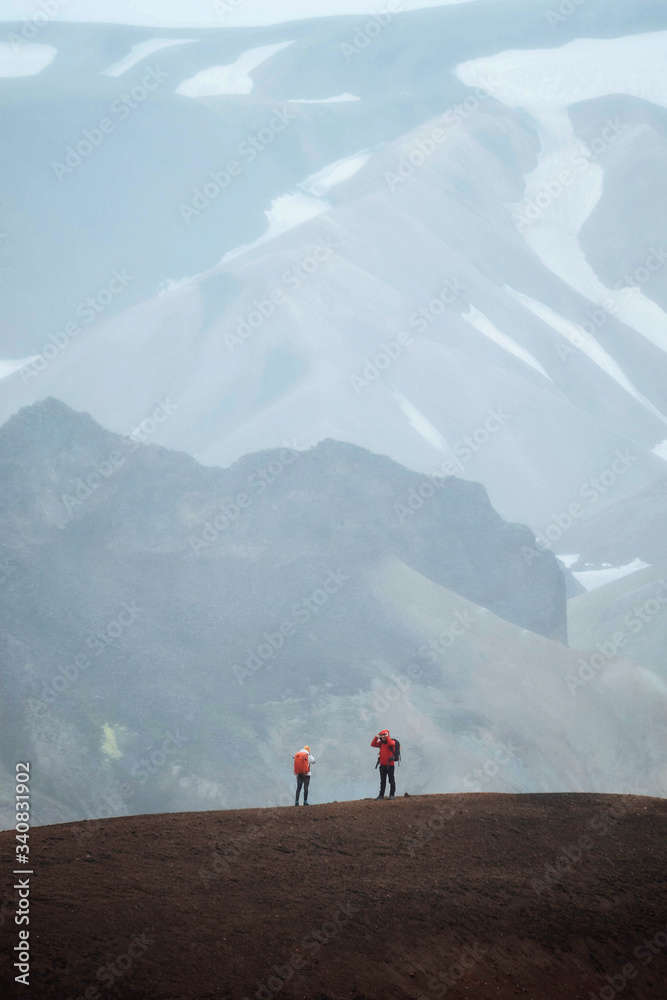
(304, 231)
(169, 630)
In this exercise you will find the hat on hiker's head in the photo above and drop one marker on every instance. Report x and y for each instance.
(383, 732)
(307, 748)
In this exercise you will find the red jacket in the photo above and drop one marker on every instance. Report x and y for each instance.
(386, 749)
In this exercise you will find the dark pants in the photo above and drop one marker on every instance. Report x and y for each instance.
(387, 770)
(302, 780)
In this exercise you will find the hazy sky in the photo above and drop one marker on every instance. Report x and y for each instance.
(200, 12)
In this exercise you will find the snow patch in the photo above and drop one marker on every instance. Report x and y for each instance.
(141, 51)
(661, 450)
(9, 367)
(586, 343)
(219, 81)
(545, 82)
(323, 100)
(480, 322)
(286, 212)
(579, 71)
(420, 423)
(174, 284)
(562, 254)
(593, 578)
(336, 173)
(25, 60)
(568, 561)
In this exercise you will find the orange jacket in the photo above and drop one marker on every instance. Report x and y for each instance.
(386, 749)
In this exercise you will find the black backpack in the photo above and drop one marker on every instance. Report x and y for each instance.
(397, 754)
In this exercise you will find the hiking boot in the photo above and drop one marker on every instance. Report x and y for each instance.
(296, 803)
(391, 796)
(379, 797)
(305, 803)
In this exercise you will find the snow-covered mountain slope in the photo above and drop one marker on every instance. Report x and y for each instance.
(424, 270)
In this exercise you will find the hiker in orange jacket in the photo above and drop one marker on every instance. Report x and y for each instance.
(386, 745)
(302, 761)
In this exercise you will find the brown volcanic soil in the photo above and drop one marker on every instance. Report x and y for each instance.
(426, 896)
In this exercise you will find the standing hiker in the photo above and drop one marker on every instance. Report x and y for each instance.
(386, 760)
(302, 762)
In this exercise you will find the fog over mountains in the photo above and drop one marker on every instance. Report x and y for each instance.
(170, 629)
(370, 308)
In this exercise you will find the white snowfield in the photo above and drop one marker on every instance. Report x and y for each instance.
(594, 578)
(567, 183)
(24, 59)
(545, 82)
(235, 79)
(579, 71)
(142, 51)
